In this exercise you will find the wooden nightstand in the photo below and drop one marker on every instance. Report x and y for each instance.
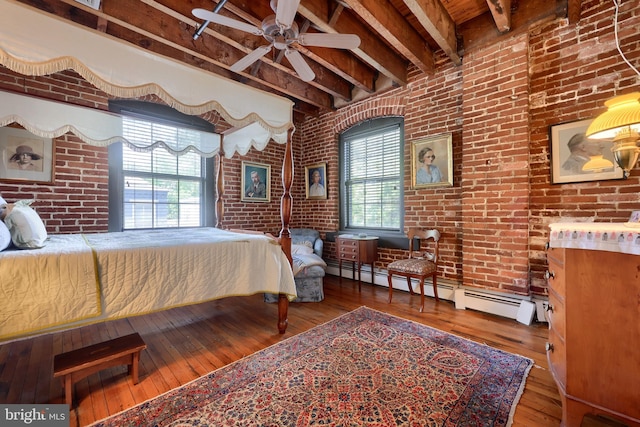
(358, 250)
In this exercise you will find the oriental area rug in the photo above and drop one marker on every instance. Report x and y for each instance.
(365, 368)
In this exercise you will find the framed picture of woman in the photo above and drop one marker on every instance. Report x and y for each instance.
(315, 178)
(256, 182)
(432, 161)
(25, 156)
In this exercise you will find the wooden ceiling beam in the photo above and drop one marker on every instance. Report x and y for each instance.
(372, 50)
(574, 10)
(438, 23)
(501, 11)
(177, 36)
(391, 25)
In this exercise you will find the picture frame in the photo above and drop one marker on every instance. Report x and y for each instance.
(25, 156)
(566, 166)
(259, 191)
(316, 190)
(440, 170)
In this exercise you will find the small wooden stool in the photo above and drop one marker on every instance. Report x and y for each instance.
(77, 364)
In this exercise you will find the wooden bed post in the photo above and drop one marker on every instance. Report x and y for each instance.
(285, 235)
(219, 185)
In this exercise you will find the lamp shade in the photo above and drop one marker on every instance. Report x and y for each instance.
(623, 113)
(597, 164)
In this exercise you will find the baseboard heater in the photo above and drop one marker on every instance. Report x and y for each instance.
(519, 307)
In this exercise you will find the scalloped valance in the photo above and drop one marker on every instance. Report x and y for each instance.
(35, 43)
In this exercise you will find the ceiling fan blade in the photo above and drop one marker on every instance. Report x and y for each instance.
(298, 63)
(252, 57)
(340, 41)
(286, 12)
(207, 15)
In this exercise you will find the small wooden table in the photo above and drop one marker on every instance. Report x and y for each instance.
(357, 249)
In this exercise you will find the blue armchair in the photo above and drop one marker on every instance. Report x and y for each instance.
(309, 284)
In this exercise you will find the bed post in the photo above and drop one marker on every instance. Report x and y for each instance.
(219, 185)
(285, 235)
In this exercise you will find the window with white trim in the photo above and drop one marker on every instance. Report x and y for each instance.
(151, 187)
(372, 176)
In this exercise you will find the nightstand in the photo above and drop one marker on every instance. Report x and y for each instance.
(358, 250)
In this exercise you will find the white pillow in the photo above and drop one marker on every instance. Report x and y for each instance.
(5, 236)
(26, 227)
(301, 250)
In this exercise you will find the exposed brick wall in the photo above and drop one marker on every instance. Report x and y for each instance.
(78, 198)
(574, 69)
(495, 176)
(498, 106)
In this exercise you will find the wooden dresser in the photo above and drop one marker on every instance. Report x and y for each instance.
(594, 321)
(358, 250)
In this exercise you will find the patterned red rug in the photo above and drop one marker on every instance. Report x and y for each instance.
(365, 368)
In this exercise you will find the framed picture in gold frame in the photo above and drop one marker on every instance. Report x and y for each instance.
(432, 161)
(256, 182)
(315, 179)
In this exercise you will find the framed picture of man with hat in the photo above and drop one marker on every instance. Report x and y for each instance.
(25, 156)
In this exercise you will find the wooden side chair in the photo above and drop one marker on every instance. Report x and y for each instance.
(420, 264)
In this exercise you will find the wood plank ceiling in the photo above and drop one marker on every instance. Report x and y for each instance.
(395, 36)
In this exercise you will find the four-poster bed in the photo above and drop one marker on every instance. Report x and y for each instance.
(52, 46)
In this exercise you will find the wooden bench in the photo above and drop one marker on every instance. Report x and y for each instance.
(77, 364)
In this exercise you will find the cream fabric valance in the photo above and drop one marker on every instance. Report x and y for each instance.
(50, 119)
(35, 43)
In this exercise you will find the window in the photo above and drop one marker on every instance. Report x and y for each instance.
(371, 176)
(153, 188)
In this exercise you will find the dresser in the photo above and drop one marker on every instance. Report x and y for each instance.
(358, 250)
(594, 321)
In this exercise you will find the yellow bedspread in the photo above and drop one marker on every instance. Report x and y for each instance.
(139, 272)
(47, 287)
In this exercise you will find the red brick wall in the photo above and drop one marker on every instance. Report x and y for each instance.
(499, 105)
(494, 218)
(495, 175)
(573, 70)
(78, 198)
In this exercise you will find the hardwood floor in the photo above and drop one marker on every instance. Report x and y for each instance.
(188, 342)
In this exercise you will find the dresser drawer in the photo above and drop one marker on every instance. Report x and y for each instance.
(556, 314)
(556, 272)
(557, 357)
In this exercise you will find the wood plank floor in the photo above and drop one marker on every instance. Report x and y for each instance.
(188, 342)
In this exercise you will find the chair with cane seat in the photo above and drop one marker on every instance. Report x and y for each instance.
(420, 264)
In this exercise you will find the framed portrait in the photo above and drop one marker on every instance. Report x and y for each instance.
(25, 156)
(315, 180)
(432, 161)
(571, 149)
(256, 182)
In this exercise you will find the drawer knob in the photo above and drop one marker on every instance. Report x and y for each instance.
(549, 275)
(548, 346)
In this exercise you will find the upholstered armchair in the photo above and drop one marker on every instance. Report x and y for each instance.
(308, 279)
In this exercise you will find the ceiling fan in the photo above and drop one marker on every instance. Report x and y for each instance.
(281, 31)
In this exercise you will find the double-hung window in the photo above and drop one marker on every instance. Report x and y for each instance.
(153, 188)
(371, 180)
